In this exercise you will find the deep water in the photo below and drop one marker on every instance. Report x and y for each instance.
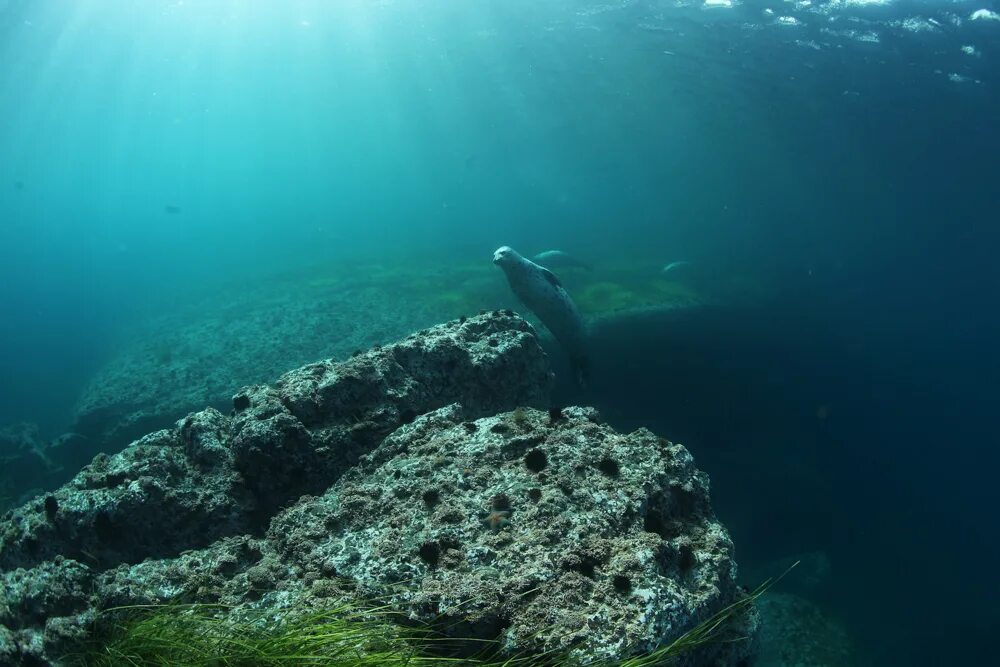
(842, 153)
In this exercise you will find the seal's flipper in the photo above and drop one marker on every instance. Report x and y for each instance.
(551, 277)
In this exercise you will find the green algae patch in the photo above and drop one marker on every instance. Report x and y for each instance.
(606, 297)
(165, 635)
(348, 635)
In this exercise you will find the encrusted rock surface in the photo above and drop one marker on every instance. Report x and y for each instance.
(413, 471)
(544, 533)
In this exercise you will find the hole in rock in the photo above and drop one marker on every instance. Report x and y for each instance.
(430, 553)
(654, 522)
(501, 503)
(686, 558)
(431, 497)
(103, 527)
(536, 460)
(608, 466)
(586, 566)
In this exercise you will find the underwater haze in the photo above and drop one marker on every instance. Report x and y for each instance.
(826, 170)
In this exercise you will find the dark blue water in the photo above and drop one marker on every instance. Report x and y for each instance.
(150, 151)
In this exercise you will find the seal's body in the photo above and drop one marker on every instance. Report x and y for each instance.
(541, 292)
(673, 266)
(556, 258)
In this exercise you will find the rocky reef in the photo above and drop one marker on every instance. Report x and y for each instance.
(431, 474)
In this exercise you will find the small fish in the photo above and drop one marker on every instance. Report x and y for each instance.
(171, 209)
(673, 266)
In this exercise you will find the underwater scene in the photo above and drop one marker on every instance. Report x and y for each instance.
(497, 332)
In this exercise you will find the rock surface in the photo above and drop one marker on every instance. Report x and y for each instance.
(413, 471)
(545, 533)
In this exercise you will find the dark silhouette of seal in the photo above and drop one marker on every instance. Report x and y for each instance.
(542, 293)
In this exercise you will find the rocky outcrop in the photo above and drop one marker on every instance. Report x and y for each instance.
(549, 533)
(215, 475)
(417, 473)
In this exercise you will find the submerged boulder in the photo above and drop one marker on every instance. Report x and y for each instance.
(415, 473)
(544, 534)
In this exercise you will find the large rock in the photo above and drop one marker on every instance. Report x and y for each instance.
(415, 463)
(214, 475)
(545, 533)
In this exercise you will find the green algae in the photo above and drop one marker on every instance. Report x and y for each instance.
(349, 634)
(451, 289)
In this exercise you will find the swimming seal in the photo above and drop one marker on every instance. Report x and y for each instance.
(542, 293)
(673, 266)
(552, 259)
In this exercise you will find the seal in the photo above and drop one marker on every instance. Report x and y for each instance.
(553, 259)
(542, 293)
(673, 266)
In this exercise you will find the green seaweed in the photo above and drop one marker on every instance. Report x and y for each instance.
(629, 293)
(348, 634)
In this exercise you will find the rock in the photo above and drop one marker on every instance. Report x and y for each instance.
(548, 536)
(298, 436)
(213, 476)
(38, 603)
(152, 499)
(417, 462)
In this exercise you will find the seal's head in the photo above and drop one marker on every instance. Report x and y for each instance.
(505, 256)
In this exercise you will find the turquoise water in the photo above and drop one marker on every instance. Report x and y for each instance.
(844, 153)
